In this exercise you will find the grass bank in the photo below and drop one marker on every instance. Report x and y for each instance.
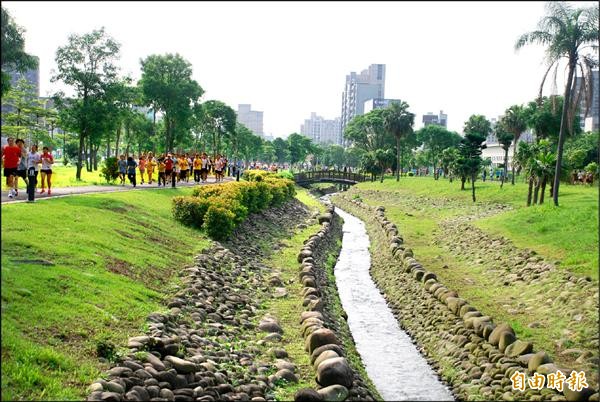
(568, 233)
(553, 315)
(79, 276)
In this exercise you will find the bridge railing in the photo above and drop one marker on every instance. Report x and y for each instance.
(334, 175)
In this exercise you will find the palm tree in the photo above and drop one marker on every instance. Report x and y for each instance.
(572, 34)
(398, 121)
(515, 122)
(524, 160)
(505, 138)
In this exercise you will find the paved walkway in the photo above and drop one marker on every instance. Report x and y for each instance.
(67, 191)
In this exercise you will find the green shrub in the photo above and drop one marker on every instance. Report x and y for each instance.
(220, 208)
(110, 169)
(190, 210)
(257, 175)
(219, 222)
(285, 174)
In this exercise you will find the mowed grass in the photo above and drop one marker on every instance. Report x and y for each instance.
(568, 233)
(81, 273)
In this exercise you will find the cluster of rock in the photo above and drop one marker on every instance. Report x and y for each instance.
(508, 265)
(182, 356)
(334, 373)
(477, 356)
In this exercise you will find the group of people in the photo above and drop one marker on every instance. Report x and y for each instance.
(20, 163)
(171, 168)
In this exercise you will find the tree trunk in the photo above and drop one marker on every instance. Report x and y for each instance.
(80, 157)
(463, 179)
(88, 165)
(512, 181)
(382, 173)
(435, 172)
(473, 184)
(536, 191)
(563, 128)
(543, 191)
(529, 191)
(397, 158)
(506, 169)
(95, 158)
(118, 140)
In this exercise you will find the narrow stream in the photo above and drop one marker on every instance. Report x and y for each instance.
(392, 362)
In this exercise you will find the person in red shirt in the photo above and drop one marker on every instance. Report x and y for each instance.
(169, 167)
(11, 155)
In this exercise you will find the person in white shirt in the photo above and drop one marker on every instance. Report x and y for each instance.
(34, 159)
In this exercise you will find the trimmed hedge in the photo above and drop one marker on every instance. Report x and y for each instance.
(220, 208)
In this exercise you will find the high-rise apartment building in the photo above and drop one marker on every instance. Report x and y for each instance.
(591, 122)
(369, 84)
(322, 131)
(439, 119)
(251, 119)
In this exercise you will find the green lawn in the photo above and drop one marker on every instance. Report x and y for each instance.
(568, 232)
(81, 273)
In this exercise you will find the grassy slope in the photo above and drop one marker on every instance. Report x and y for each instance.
(569, 233)
(115, 257)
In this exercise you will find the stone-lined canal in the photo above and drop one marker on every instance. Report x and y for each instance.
(392, 362)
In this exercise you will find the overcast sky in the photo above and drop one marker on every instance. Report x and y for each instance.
(289, 59)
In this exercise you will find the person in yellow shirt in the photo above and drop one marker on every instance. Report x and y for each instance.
(162, 167)
(197, 168)
(150, 165)
(184, 169)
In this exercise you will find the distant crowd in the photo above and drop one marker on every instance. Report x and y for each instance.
(173, 168)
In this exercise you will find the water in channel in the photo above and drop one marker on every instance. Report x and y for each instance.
(392, 362)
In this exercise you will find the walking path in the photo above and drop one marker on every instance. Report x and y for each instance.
(67, 191)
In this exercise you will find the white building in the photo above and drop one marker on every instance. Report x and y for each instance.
(322, 131)
(251, 119)
(369, 84)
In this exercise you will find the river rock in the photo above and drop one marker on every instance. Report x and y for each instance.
(577, 396)
(183, 366)
(538, 359)
(286, 375)
(518, 348)
(506, 338)
(334, 393)
(317, 352)
(495, 335)
(307, 395)
(270, 325)
(335, 371)
(328, 354)
(320, 337)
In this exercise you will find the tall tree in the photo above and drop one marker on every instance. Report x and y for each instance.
(515, 122)
(282, 153)
(436, 139)
(570, 34)
(219, 122)
(86, 63)
(476, 130)
(23, 114)
(368, 132)
(505, 139)
(167, 85)
(399, 122)
(12, 52)
(299, 147)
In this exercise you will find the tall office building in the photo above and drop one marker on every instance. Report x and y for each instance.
(251, 119)
(369, 84)
(591, 122)
(439, 119)
(322, 131)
